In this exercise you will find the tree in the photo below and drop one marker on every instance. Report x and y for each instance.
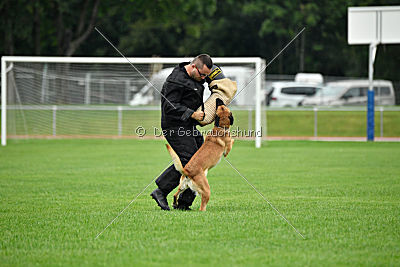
(72, 30)
(31, 27)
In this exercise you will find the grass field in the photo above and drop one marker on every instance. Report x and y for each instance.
(57, 195)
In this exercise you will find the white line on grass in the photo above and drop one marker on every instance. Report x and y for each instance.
(133, 200)
(264, 198)
(294, 38)
(133, 66)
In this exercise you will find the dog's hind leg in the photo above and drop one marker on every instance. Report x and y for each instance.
(183, 185)
(202, 186)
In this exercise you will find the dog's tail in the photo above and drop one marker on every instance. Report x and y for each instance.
(177, 161)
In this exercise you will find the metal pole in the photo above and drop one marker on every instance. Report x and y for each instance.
(258, 104)
(44, 95)
(3, 102)
(371, 102)
(87, 88)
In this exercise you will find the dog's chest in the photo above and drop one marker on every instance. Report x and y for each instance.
(217, 161)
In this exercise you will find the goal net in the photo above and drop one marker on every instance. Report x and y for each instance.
(64, 97)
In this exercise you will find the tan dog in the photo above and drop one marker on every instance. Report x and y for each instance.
(217, 143)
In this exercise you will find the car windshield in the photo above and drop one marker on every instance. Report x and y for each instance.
(330, 91)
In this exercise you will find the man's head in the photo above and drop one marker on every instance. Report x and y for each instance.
(200, 67)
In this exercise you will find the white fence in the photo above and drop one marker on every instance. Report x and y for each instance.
(116, 127)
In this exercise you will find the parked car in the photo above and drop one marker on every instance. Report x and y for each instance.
(289, 94)
(352, 93)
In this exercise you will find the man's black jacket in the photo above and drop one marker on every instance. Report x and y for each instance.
(185, 94)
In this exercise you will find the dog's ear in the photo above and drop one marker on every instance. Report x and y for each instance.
(231, 118)
(219, 102)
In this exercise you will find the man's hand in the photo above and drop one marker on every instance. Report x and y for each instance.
(198, 115)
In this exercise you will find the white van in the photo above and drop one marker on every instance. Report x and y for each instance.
(352, 93)
(315, 78)
(289, 94)
(242, 75)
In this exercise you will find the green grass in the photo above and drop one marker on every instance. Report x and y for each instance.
(57, 195)
(330, 123)
(279, 123)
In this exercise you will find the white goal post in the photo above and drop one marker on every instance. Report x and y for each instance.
(40, 94)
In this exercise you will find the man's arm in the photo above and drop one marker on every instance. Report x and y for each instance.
(174, 93)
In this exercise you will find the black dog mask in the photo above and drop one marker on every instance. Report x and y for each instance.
(218, 103)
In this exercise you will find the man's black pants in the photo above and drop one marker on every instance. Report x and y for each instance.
(185, 141)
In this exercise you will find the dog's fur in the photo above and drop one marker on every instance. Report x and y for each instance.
(216, 144)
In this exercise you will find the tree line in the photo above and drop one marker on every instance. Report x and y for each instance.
(185, 28)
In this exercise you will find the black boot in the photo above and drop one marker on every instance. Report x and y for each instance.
(160, 198)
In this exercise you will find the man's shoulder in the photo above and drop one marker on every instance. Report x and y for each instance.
(175, 72)
(178, 73)
(180, 77)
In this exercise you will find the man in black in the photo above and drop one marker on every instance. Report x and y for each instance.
(182, 95)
